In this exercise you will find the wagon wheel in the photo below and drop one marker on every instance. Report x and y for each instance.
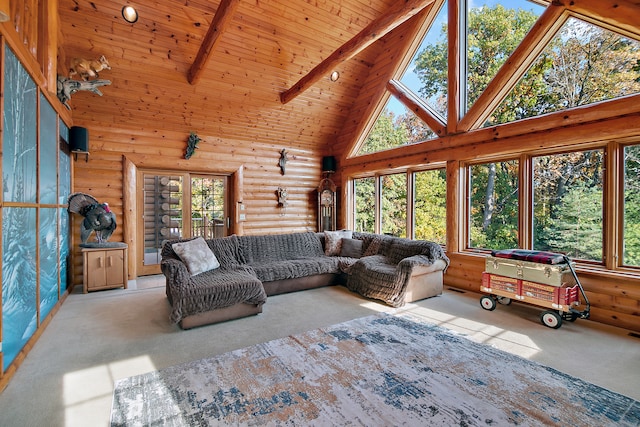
(488, 303)
(504, 300)
(551, 319)
(570, 317)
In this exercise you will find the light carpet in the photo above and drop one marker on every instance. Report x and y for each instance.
(373, 371)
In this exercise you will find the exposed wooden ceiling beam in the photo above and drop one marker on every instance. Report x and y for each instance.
(372, 32)
(220, 21)
(515, 67)
(419, 107)
(622, 14)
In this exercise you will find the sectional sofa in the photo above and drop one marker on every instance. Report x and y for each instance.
(214, 280)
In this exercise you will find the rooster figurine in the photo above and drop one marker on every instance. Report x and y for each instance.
(97, 217)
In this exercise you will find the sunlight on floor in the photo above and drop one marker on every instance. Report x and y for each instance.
(503, 339)
(88, 391)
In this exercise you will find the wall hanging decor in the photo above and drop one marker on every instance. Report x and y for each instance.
(98, 217)
(282, 197)
(86, 68)
(67, 87)
(282, 194)
(283, 161)
(192, 145)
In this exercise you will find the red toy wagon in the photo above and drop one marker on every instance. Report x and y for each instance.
(544, 279)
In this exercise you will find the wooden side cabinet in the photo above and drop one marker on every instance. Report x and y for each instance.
(104, 267)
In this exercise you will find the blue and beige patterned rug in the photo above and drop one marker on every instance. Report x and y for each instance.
(380, 370)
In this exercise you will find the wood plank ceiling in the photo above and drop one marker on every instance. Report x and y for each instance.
(265, 47)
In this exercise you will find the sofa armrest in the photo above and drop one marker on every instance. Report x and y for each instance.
(419, 269)
(421, 264)
(176, 273)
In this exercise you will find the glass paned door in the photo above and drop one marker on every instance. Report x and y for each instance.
(178, 205)
(162, 216)
(208, 216)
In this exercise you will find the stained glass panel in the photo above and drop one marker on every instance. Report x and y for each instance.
(18, 280)
(48, 260)
(19, 159)
(48, 152)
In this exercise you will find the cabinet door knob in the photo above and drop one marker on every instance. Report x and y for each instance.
(110, 263)
(100, 262)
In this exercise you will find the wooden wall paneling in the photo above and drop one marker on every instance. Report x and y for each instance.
(455, 206)
(129, 212)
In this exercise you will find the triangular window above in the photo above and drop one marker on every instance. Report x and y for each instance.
(395, 126)
(426, 75)
(582, 65)
(494, 30)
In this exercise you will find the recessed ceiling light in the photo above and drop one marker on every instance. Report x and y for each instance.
(335, 76)
(129, 14)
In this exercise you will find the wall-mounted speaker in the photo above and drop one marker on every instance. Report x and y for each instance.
(329, 164)
(79, 139)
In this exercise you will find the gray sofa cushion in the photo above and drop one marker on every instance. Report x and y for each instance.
(293, 269)
(351, 248)
(279, 247)
(227, 250)
(214, 289)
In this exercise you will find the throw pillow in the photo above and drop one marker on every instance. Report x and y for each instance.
(333, 241)
(196, 255)
(351, 248)
(373, 247)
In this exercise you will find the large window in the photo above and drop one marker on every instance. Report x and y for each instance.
(493, 205)
(430, 205)
(365, 201)
(567, 204)
(394, 204)
(410, 204)
(631, 234)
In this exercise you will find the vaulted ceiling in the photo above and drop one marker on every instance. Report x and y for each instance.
(240, 66)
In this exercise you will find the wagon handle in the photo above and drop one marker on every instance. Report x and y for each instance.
(584, 314)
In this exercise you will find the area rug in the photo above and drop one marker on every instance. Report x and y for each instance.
(380, 370)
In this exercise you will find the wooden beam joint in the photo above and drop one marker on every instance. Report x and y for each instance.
(220, 21)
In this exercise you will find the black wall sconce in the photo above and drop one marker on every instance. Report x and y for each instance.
(328, 164)
(79, 141)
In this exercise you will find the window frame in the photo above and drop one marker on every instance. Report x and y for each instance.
(618, 189)
(410, 183)
(610, 173)
(466, 182)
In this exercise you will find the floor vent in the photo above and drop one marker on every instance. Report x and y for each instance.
(634, 334)
(460, 291)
